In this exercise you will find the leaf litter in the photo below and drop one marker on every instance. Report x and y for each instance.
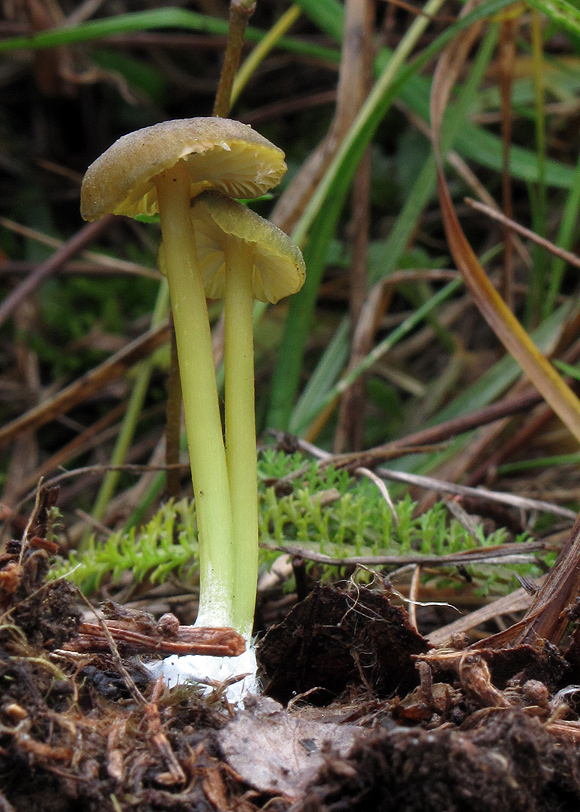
(359, 711)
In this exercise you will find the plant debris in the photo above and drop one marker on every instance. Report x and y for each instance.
(144, 635)
(376, 717)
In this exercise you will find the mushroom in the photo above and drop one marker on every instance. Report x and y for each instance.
(160, 169)
(242, 257)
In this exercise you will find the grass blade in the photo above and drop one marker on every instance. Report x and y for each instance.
(499, 317)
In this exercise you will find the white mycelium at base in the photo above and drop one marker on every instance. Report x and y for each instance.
(212, 671)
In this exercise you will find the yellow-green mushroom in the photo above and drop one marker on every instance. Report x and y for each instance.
(242, 257)
(160, 169)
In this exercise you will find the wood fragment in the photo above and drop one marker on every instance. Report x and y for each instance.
(219, 642)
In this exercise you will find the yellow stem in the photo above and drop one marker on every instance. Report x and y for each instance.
(200, 400)
(241, 428)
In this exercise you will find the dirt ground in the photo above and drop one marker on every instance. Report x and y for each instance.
(359, 711)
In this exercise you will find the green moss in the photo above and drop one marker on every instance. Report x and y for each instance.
(325, 511)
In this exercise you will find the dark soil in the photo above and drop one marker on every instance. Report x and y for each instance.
(500, 760)
(375, 719)
(334, 639)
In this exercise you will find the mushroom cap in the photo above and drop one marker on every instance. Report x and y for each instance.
(219, 153)
(278, 266)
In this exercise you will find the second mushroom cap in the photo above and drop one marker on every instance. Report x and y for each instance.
(278, 266)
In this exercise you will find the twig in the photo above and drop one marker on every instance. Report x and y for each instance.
(516, 551)
(434, 434)
(84, 386)
(440, 486)
(31, 520)
(413, 594)
(522, 502)
(240, 13)
(86, 235)
(419, 12)
(94, 434)
(125, 675)
(104, 261)
(546, 618)
(567, 256)
(78, 268)
(154, 730)
(353, 86)
(130, 468)
(382, 488)
(514, 602)
(459, 425)
(464, 519)
(218, 642)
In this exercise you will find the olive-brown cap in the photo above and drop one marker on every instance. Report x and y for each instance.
(219, 153)
(278, 266)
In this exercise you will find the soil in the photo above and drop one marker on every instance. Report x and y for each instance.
(359, 713)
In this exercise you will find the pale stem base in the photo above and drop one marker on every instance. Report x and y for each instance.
(212, 672)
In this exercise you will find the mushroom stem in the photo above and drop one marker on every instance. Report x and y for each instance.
(240, 423)
(200, 399)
